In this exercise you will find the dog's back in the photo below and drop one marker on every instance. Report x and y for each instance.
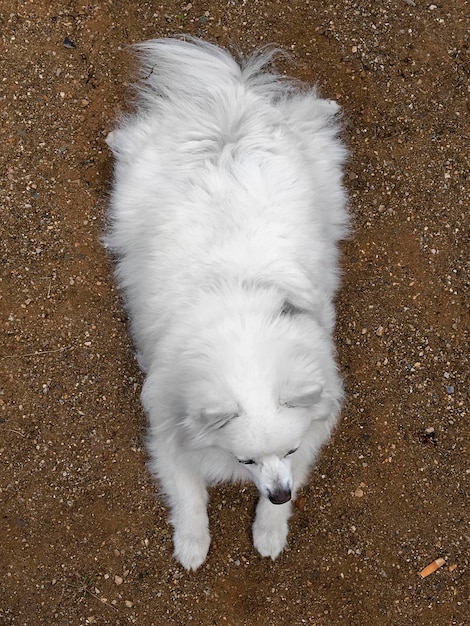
(225, 173)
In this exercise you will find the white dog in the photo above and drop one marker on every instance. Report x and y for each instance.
(225, 214)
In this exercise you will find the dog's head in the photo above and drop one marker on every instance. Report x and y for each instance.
(264, 438)
(257, 391)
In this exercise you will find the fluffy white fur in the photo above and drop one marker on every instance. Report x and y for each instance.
(226, 210)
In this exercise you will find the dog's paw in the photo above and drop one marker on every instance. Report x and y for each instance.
(191, 547)
(270, 537)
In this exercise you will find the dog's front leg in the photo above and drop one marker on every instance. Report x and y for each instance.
(187, 496)
(270, 527)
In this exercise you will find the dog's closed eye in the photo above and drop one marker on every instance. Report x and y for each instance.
(216, 419)
(304, 399)
(288, 308)
(247, 462)
(291, 452)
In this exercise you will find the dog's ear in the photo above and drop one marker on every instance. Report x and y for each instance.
(213, 419)
(307, 397)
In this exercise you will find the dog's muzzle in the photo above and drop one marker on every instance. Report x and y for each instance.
(281, 496)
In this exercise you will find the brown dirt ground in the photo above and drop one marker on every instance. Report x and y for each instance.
(83, 538)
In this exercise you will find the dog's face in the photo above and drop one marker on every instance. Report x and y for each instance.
(264, 438)
(263, 432)
(253, 389)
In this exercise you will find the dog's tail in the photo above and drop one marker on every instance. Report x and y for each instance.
(183, 69)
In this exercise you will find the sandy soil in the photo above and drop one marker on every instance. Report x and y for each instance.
(83, 539)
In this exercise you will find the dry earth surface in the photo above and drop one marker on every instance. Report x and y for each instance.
(83, 537)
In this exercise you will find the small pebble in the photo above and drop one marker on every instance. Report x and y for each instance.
(68, 43)
(300, 503)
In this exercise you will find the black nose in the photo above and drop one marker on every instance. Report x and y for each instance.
(280, 497)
